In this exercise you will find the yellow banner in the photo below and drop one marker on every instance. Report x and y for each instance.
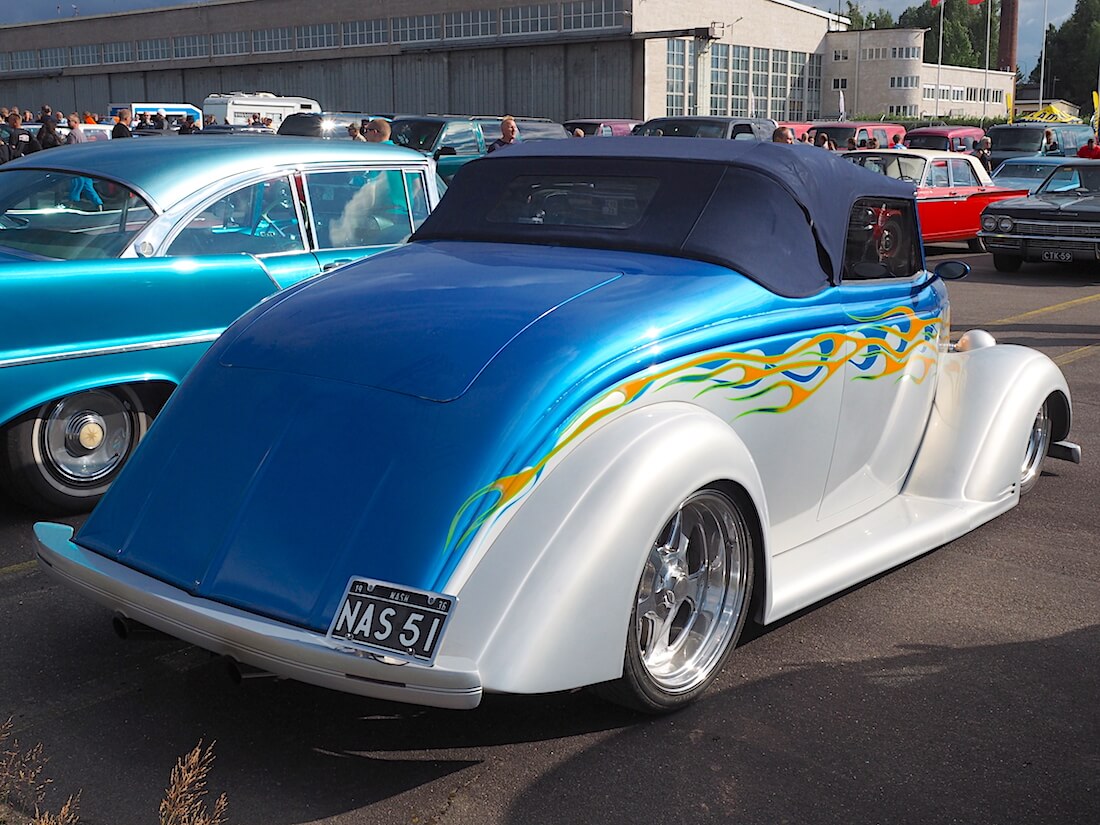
(1050, 114)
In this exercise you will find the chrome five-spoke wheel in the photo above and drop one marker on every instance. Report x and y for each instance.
(691, 604)
(1038, 442)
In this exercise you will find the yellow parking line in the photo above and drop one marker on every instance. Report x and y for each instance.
(22, 567)
(1075, 354)
(1045, 310)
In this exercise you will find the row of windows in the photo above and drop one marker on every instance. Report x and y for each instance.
(902, 111)
(574, 15)
(883, 53)
(909, 81)
(971, 93)
(744, 82)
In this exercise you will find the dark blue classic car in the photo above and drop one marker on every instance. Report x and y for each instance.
(123, 260)
(613, 398)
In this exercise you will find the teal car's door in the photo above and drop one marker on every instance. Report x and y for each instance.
(467, 143)
(262, 219)
(359, 212)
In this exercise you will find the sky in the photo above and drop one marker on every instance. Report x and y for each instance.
(1027, 50)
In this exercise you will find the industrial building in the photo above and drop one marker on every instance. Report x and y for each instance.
(566, 59)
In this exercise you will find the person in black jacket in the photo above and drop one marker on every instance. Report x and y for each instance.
(48, 137)
(20, 140)
(122, 128)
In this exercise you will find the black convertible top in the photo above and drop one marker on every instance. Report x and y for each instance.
(778, 213)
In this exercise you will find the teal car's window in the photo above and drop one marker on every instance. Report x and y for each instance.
(259, 219)
(416, 134)
(1016, 140)
(66, 216)
(1036, 171)
(359, 208)
(591, 202)
(882, 241)
(462, 138)
(418, 197)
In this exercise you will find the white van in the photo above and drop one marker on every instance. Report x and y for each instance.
(239, 108)
(173, 111)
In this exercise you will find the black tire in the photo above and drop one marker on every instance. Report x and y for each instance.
(61, 457)
(1007, 263)
(976, 245)
(682, 631)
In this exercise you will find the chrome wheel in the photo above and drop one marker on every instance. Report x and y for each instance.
(690, 606)
(1038, 442)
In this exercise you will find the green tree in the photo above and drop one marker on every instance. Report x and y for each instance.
(1073, 56)
(964, 30)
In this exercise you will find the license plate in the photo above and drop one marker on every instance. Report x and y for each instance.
(1062, 257)
(397, 621)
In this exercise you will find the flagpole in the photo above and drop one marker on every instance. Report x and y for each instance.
(988, 27)
(1043, 55)
(939, 65)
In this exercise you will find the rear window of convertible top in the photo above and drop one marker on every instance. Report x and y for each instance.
(578, 201)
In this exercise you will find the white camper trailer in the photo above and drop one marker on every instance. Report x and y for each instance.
(239, 108)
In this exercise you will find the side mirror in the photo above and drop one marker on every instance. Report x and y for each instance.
(952, 270)
(444, 150)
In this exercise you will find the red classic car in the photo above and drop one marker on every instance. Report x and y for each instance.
(952, 189)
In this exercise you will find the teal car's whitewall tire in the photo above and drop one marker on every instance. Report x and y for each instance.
(62, 457)
(690, 607)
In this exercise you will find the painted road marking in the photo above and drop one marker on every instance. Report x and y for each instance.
(1046, 310)
(1076, 354)
(22, 567)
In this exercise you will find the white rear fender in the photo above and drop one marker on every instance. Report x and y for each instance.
(986, 402)
(548, 605)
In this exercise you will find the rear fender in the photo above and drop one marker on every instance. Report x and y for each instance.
(985, 405)
(548, 605)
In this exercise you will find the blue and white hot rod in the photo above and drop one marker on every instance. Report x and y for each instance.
(612, 399)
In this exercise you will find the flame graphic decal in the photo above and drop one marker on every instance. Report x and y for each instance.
(898, 343)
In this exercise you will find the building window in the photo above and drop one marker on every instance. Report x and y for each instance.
(903, 111)
(22, 61)
(592, 14)
(796, 109)
(118, 52)
(366, 33)
(675, 77)
(720, 79)
(905, 82)
(998, 95)
(929, 93)
(813, 87)
(957, 93)
(85, 55)
(318, 36)
(840, 54)
(777, 108)
(192, 45)
(159, 48)
(417, 28)
(758, 100)
(463, 24)
(5, 62)
(224, 43)
(739, 81)
(528, 19)
(54, 58)
(272, 40)
(840, 83)
(905, 53)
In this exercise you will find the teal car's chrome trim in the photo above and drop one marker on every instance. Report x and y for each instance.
(204, 338)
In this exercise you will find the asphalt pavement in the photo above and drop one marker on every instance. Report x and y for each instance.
(959, 688)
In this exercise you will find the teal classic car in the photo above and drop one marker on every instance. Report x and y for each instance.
(122, 262)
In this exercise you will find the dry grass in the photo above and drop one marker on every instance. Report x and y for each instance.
(23, 787)
(184, 802)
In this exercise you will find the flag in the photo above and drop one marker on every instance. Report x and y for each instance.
(974, 2)
(936, 3)
(843, 114)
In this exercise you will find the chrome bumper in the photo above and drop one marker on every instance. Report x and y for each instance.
(263, 643)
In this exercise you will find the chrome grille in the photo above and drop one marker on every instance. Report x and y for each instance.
(1064, 230)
